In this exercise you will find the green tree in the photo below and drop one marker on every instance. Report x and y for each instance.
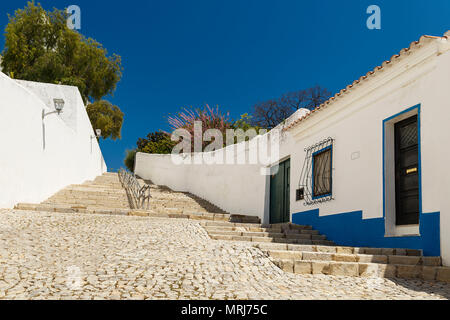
(106, 117)
(245, 123)
(158, 142)
(130, 158)
(40, 47)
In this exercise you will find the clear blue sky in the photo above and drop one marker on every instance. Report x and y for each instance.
(234, 53)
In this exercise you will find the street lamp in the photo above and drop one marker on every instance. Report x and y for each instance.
(98, 133)
(59, 106)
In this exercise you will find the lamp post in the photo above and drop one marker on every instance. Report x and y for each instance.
(59, 106)
(98, 133)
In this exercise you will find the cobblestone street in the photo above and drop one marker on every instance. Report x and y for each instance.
(70, 256)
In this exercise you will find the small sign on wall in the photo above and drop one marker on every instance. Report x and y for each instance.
(300, 194)
(355, 155)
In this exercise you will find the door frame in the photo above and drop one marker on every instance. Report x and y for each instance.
(268, 188)
(398, 157)
(389, 195)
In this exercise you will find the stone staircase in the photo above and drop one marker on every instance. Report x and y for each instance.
(302, 250)
(281, 233)
(293, 248)
(105, 195)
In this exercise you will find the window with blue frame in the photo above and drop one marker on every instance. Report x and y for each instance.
(315, 185)
(321, 173)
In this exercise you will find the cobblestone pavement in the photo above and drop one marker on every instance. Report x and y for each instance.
(68, 256)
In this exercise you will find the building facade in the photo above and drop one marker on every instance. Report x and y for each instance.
(366, 168)
(43, 150)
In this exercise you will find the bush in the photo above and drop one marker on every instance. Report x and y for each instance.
(156, 142)
(107, 117)
(130, 159)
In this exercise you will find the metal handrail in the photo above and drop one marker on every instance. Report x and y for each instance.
(140, 194)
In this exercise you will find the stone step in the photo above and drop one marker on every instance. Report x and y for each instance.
(179, 211)
(76, 199)
(90, 200)
(229, 224)
(180, 207)
(118, 211)
(239, 218)
(71, 209)
(115, 174)
(339, 249)
(93, 192)
(364, 258)
(268, 235)
(104, 198)
(218, 230)
(270, 239)
(360, 269)
(91, 195)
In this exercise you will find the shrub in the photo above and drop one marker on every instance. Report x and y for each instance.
(130, 159)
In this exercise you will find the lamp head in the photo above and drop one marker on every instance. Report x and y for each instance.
(59, 105)
(98, 132)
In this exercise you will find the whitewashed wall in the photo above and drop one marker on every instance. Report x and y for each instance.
(238, 189)
(355, 121)
(223, 185)
(38, 158)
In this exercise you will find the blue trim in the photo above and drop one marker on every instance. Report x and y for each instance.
(420, 156)
(331, 172)
(350, 229)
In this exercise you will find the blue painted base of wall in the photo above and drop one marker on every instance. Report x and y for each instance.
(349, 229)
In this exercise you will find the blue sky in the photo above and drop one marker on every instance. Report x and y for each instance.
(234, 53)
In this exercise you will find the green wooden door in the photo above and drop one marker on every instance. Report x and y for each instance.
(279, 194)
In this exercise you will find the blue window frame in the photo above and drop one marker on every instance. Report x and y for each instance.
(322, 182)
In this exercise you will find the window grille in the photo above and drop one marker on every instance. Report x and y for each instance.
(316, 178)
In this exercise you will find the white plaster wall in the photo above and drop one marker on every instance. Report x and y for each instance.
(355, 121)
(439, 174)
(238, 189)
(30, 172)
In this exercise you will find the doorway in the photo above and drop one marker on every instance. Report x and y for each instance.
(280, 194)
(407, 172)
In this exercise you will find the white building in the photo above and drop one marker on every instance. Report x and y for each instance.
(367, 168)
(43, 151)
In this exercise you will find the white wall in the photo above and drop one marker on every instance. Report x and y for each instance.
(38, 158)
(355, 122)
(237, 189)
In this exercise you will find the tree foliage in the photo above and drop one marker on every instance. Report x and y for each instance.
(40, 47)
(210, 118)
(158, 142)
(130, 158)
(268, 114)
(106, 117)
(245, 123)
